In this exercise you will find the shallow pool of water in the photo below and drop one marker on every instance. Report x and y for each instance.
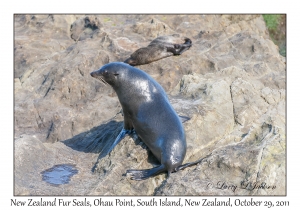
(59, 174)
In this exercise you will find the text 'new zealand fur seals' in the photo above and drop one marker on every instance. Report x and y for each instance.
(161, 47)
(148, 112)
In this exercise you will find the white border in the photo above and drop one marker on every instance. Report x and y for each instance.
(8, 8)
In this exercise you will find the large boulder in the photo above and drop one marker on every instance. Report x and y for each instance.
(231, 83)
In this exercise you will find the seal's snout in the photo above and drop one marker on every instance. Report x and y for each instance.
(127, 60)
(130, 61)
(92, 74)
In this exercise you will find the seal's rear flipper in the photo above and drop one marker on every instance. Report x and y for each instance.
(145, 174)
(188, 42)
(178, 49)
(191, 164)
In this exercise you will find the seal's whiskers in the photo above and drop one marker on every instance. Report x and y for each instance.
(104, 82)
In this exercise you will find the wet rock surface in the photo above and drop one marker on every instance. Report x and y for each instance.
(231, 83)
(59, 174)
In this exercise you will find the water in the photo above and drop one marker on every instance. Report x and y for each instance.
(59, 174)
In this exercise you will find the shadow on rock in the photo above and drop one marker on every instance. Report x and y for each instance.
(97, 139)
(100, 139)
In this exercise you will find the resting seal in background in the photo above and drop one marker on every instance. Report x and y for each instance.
(161, 47)
(147, 110)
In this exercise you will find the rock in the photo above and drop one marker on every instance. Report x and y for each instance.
(84, 28)
(152, 28)
(231, 83)
(244, 168)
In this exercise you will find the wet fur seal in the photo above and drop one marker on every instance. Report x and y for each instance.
(161, 47)
(148, 112)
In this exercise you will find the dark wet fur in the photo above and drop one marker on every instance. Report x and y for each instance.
(159, 48)
(150, 114)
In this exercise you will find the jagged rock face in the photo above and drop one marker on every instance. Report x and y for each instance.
(231, 83)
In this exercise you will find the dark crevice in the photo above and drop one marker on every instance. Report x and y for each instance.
(81, 72)
(50, 130)
(45, 79)
(265, 99)
(234, 114)
(49, 88)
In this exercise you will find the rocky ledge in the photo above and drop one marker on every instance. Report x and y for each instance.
(231, 83)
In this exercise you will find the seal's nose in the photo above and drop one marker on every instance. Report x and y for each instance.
(92, 74)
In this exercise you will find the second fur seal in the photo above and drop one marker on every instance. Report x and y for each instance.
(161, 47)
(148, 112)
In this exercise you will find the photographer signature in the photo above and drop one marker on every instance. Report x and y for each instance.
(223, 185)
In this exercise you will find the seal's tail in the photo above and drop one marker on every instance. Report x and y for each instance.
(145, 174)
(183, 119)
(181, 167)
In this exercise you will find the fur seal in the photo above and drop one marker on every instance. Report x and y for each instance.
(148, 112)
(161, 47)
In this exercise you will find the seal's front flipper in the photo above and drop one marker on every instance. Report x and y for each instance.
(121, 135)
(145, 174)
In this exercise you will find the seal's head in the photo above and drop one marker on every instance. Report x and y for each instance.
(131, 61)
(110, 73)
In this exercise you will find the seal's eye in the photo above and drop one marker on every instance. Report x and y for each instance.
(116, 74)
